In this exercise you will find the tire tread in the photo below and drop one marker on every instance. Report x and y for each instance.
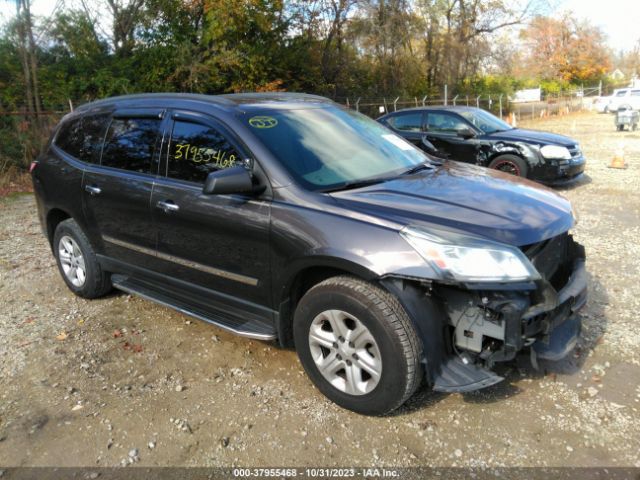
(397, 318)
(100, 283)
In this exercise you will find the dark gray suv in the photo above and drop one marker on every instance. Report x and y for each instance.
(286, 217)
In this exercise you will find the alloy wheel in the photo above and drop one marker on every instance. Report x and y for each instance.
(345, 352)
(72, 261)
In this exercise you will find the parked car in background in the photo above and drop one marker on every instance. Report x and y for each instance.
(473, 135)
(601, 104)
(289, 218)
(624, 97)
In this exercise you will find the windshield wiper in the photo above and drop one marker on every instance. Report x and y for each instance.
(418, 168)
(356, 184)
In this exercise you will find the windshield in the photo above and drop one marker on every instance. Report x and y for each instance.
(328, 147)
(485, 121)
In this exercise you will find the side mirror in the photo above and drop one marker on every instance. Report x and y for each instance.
(230, 180)
(466, 133)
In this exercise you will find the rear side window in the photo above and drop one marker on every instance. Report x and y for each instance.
(197, 150)
(82, 137)
(409, 122)
(130, 144)
(69, 137)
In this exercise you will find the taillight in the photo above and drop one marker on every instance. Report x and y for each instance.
(33, 166)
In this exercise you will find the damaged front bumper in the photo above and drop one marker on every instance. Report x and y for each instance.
(560, 172)
(489, 326)
(485, 325)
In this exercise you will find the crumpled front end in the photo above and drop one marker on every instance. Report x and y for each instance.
(489, 326)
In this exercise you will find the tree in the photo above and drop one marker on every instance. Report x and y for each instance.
(27, 49)
(458, 35)
(565, 49)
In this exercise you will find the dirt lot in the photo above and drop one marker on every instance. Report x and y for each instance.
(120, 380)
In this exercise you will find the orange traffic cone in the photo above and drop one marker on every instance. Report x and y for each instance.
(618, 159)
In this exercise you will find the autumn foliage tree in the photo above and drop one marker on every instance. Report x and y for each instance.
(565, 49)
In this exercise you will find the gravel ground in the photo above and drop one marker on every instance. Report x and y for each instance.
(121, 380)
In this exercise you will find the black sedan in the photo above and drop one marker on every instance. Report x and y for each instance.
(473, 135)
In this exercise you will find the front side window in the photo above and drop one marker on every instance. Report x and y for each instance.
(441, 122)
(408, 122)
(329, 147)
(197, 150)
(130, 144)
(485, 121)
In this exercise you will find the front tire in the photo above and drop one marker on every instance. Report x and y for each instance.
(358, 345)
(77, 261)
(510, 164)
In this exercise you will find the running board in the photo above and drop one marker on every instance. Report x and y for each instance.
(457, 376)
(252, 327)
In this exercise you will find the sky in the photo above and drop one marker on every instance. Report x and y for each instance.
(619, 19)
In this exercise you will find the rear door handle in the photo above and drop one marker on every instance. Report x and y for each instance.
(93, 189)
(167, 206)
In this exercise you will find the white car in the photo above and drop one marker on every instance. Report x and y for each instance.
(601, 104)
(623, 97)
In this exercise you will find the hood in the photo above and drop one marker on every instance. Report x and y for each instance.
(467, 199)
(534, 136)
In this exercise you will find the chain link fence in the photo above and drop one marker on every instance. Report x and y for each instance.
(498, 104)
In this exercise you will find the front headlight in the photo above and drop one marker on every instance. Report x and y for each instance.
(555, 151)
(469, 259)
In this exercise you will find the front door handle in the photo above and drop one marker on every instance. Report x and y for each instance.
(167, 206)
(93, 189)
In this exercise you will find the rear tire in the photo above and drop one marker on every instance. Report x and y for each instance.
(77, 261)
(510, 164)
(358, 345)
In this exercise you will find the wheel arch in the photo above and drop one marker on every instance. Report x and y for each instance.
(55, 216)
(507, 150)
(301, 277)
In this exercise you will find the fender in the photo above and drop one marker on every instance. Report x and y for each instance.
(321, 265)
(428, 317)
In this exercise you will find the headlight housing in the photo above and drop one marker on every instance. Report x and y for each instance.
(470, 259)
(555, 151)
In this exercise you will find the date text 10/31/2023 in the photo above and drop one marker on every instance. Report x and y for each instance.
(319, 472)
